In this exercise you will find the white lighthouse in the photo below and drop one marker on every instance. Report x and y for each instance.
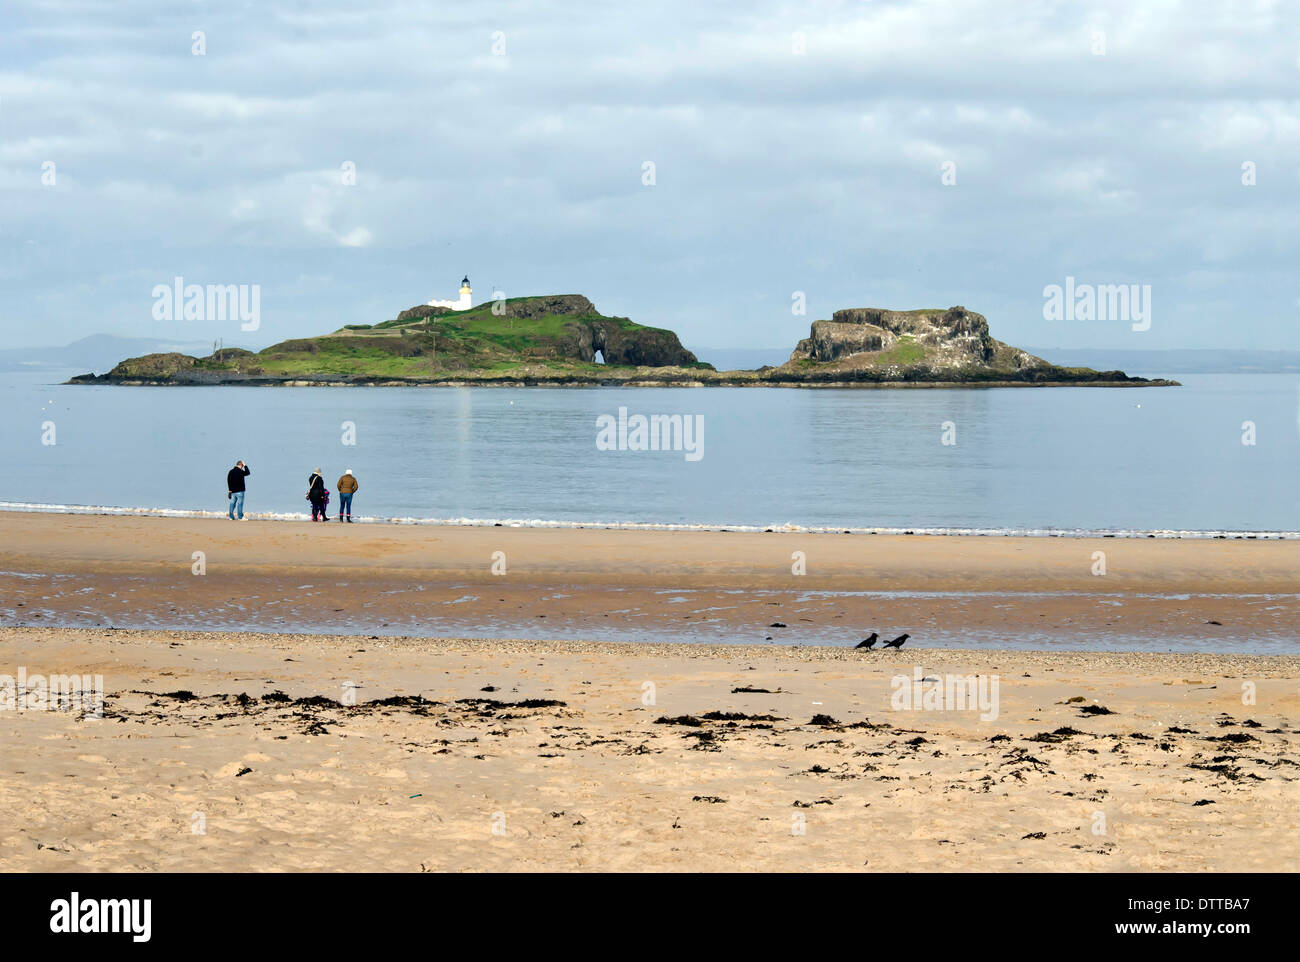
(462, 303)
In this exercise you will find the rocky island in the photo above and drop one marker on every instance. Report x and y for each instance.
(562, 339)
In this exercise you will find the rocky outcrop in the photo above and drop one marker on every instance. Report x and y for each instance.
(832, 340)
(620, 344)
(638, 346)
(150, 367)
(618, 340)
(557, 304)
(230, 354)
(421, 311)
(952, 338)
(523, 308)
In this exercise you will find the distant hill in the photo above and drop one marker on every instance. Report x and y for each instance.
(744, 358)
(1181, 361)
(563, 339)
(98, 352)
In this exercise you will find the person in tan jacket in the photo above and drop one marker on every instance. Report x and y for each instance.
(347, 488)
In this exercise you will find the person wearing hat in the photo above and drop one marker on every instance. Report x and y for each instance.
(347, 488)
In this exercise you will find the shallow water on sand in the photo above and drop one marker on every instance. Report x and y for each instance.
(964, 620)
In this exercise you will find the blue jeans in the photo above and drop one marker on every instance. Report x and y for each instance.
(345, 504)
(237, 505)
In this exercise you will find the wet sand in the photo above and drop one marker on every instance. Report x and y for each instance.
(223, 751)
(723, 587)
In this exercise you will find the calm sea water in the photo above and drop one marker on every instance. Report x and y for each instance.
(1058, 458)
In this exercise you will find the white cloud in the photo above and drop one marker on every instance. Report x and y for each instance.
(818, 172)
(357, 237)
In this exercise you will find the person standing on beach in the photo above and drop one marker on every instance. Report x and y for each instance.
(235, 489)
(347, 488)
(316, 495)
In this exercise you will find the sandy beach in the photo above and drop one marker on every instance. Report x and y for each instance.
(223, 752)
(258, 744)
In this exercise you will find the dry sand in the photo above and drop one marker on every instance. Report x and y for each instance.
(456, 775)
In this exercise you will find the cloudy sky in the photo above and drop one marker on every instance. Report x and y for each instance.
(796, 147)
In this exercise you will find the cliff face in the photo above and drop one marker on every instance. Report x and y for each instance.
(955, 336)
(556, 305)
(618, 339)
(926, 342)
(422, 311)
(638, 347)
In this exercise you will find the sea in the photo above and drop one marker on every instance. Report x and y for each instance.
(1218, 456)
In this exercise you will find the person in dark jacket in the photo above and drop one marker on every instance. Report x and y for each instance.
(347, 487)
(316, 495)
(235, 489)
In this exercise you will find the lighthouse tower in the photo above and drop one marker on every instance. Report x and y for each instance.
(462, 303)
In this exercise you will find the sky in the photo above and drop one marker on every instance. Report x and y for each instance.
(838, 154)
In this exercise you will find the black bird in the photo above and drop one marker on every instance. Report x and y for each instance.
(897, 642)
(868, 643)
